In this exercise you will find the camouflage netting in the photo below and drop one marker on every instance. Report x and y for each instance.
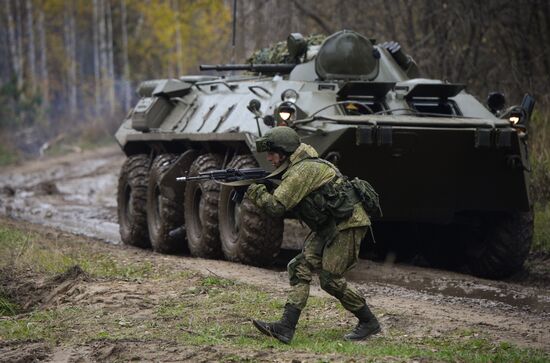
(278, 52)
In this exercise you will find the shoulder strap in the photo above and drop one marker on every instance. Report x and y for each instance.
(326, 162)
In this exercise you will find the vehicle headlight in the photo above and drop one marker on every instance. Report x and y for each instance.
(285, 114)
(289, 95)
(514, 120)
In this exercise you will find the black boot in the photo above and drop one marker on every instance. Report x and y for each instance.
(283, 329)
(367, 326)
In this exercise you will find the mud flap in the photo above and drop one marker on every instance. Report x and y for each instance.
(180, 168)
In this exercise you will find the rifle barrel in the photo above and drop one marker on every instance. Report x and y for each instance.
(259, 68)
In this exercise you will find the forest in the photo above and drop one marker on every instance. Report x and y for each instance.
(71, 66)
(83, 59)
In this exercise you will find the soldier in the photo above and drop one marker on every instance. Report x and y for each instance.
(327, 203)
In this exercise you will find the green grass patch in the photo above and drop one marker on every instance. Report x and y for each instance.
(541, 239)
(48, 325)
(221, 317)
(7, 156)
(27, 250)
(7, 307)
(208, 322)
(216, 281)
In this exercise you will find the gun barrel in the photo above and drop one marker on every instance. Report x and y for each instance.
(259, 68)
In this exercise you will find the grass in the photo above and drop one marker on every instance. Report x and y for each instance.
(7, 306)
(25, 249)
(540, 177)
(317, 333)
(7, 156)
(541, 239)
(206, 310)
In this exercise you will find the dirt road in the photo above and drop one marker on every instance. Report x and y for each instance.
(76, 193)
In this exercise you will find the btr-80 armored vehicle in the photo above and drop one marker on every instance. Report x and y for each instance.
(452, 174)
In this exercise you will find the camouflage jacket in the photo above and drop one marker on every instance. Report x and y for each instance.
(303, 177)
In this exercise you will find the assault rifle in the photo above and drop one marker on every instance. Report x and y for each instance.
(239, 179)
(228, 175)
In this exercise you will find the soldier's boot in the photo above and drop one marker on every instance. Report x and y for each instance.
(368, 325)
(283, 329)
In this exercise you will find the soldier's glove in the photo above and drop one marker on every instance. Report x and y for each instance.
(255, 192)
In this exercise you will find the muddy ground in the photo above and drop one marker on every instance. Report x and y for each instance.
(76, 193)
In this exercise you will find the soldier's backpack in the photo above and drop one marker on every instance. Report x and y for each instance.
(368, 196)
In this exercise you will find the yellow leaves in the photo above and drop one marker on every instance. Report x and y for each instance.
(204, 30)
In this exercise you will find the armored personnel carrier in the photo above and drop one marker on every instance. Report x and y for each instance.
(452, 173)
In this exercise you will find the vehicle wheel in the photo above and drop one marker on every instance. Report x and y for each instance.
(247, 234)
(505, 246)
(442, 246)
(201, 210)
(131, 200)
(164, 212)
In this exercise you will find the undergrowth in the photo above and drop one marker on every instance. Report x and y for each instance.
(25, 250)
(7, 155)
(539, 133)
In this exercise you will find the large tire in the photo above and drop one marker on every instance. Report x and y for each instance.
(201, 210)
(131, 200)
(164, 211)
(504, 246)
(443, 246)
(247, 234)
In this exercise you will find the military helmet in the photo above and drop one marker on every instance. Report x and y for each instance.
(281, 139)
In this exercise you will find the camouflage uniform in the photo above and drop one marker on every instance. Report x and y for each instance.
(331, 248)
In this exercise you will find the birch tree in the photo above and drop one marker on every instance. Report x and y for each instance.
(43, 60)
(31, 46)
(110, 67)
(97, 65)
(15, 50)
(125, 64)
(70, 51)
(177, 35)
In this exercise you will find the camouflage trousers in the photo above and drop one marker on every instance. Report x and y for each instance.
(338, 257)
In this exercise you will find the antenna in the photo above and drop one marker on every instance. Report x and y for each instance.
(234, 31)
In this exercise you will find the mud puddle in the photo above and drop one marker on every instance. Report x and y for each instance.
(445, 283)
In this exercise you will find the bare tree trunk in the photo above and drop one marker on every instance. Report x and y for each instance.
(70, 51)
(410, 31)
(102, 51)
(125, 65)
(16, 61)
(97, 65)
(179, 46)
(44, 76)
(19, 39)
(389, 19)
(241, 31)
(110, 57)
(31, 50)
(4, 61)
(343, 18)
